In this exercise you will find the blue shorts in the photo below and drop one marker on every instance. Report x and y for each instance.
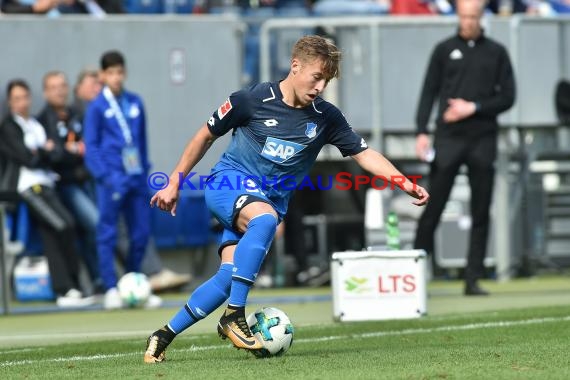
(227, 192)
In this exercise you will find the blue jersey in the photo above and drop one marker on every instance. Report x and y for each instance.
(274, 143)
(104, 140)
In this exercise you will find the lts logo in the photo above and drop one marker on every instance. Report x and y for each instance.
(396, 283)
(391, 284)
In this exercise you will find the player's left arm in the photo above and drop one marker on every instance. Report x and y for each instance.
(375, 163)
(341, 135)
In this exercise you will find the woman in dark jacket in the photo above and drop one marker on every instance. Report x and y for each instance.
(28, 152)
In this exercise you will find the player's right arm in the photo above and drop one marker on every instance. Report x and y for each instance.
(233, 113)
(167, 198)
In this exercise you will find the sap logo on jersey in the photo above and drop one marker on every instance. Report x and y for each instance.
(279, 151)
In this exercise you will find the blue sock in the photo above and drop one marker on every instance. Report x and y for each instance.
(249, 255)
(207, 298)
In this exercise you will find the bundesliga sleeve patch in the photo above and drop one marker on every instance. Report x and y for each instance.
(224, 109)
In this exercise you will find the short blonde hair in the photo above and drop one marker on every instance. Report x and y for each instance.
(309, 48)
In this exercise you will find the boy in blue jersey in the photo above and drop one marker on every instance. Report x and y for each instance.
(116, 155)
(278, 131)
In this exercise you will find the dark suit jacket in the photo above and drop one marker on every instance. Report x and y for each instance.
(70, 167)
(14, 154)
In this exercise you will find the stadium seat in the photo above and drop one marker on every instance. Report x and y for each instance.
(228, 9)
(24, 231)
(144, 6)
(258, 15)
(178, 6)
(9, 224)
(251, 55)
(279, 4)
(11, 247)
(281, 40)
(190, 227)
(194, 220)
(164, 228)
(286, 38)
(254, 17)
(348, 8)
(291, 11)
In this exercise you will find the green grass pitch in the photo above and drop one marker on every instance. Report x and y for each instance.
(522, 331)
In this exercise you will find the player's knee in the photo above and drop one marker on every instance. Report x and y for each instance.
(263, 225)
(251, 211)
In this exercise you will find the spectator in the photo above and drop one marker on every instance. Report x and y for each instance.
(552, 7)
(412, 7)
(99, 8)
(421, 7)
(116, 155)
(471, 75)
(87, 88)
(507, 7)
(245, 4)
(81, 7)
(112, 6)
(75, 184)
(30, 7)
(54, 8)
(350, 7)
(28, 146)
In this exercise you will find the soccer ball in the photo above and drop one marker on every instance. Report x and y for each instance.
(273, 328)
(134, 289)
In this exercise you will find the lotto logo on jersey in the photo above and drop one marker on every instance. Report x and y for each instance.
(279, 151)
(224, 109)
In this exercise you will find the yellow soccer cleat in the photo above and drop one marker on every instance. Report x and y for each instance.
(155, 349)
(233, 325)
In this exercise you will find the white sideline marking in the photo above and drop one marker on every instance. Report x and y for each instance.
(97, 357)
(22, 350)
(78, 335)
(471, 326)
(81, 335)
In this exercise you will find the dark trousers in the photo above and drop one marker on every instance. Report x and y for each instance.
(478, 154)
(57, 231)
(79, 201)
(295, 233)
(133, 202)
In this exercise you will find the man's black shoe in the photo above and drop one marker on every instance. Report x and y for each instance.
(473, 289)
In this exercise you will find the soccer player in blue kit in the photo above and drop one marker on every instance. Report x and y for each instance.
(278, 131)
